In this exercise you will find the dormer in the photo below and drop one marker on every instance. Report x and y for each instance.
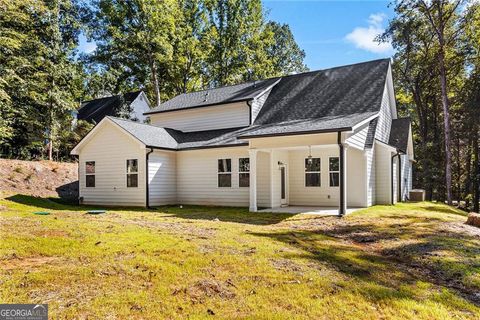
(220, 108)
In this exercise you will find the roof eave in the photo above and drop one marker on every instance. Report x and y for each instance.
(198, 106)
(296, 133)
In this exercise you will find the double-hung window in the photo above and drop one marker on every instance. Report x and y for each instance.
(132, 173)
(90, 174)
(312, 172)
(334, 168)
(244, 172)
(224, 173)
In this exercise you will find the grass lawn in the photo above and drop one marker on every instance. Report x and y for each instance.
(409, 261)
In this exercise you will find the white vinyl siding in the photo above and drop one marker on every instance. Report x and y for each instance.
(371, 183)
(383, 170)
(110, 148)
(357, 139)
(385, 117)
(258, 103)
(197, 178)
(283, 157)
(406, 177)
(308, 196)
(139, 106)
(263, 179)
(163, 182)
(232, 115)
(356, 177)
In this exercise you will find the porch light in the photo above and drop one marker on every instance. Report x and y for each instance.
(309, 155)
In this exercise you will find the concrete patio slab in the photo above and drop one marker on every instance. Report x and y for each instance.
(325, 211)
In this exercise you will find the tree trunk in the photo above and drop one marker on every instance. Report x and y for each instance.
(155, 82)
(446, 120)
(476, 174)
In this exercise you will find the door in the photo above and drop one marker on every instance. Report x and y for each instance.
(283, 185)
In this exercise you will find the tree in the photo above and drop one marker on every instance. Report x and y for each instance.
(430, 55)
(134, 38)
(442, 15)
(285, 53)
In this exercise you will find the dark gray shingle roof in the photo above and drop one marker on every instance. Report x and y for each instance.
(339, 91)
(228, 94)
(325, 124)
(95, 110)
(399, 133)
(319, 101)
(166, 138)
(372, 129)
(147, 134)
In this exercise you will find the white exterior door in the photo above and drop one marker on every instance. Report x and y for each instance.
(283, 185)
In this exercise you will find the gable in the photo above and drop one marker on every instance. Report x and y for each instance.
(336, 92)
(106, 132)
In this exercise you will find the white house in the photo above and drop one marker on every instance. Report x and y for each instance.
(328, 138)
(131, 105)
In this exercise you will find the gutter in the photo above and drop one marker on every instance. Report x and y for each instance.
(147, 191)
(295, 133)
(341, 210)
(249, 104)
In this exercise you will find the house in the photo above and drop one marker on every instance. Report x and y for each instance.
(131, 105)
(327, 138)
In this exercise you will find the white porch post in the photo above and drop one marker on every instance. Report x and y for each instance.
(342, 207)
(271, 178)
(253, 180)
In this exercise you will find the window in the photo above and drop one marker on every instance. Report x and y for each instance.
(90, 174)
(312, 172)
(334, 168)
(132, 173)
(244, 172)
(224, 173)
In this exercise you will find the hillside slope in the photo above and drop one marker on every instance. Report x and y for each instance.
(39, 178)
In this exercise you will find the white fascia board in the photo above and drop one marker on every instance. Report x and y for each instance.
(361, 123)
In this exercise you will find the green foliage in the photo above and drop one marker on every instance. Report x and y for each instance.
(165, 47)
(419, 94)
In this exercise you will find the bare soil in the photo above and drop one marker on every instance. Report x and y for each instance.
(39, 178)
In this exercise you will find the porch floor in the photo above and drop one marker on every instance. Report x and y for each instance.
(325, 211)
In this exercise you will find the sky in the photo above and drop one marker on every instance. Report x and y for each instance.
(332, 32)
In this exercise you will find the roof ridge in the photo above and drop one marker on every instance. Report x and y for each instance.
(285, 76)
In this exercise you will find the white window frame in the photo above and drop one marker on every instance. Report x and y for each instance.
(330, 171)
(305, 173)
(244, 172)
(91, 174)
(130, 173)
(230, 173)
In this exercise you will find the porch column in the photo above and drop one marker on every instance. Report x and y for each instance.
(253, 180)
(271, 177)
(342, 208)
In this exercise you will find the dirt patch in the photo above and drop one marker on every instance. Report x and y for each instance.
(208, 288)
(39, 178)
(50, 233)
(25, 263)
(286, 265)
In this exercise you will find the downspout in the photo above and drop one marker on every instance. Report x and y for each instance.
(341, 211)
(249, 104)
(400, 198)
(147, 192)
(391, 174)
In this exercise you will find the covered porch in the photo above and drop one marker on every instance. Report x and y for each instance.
(318, 174)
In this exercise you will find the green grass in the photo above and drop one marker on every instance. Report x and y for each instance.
(410, 261)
